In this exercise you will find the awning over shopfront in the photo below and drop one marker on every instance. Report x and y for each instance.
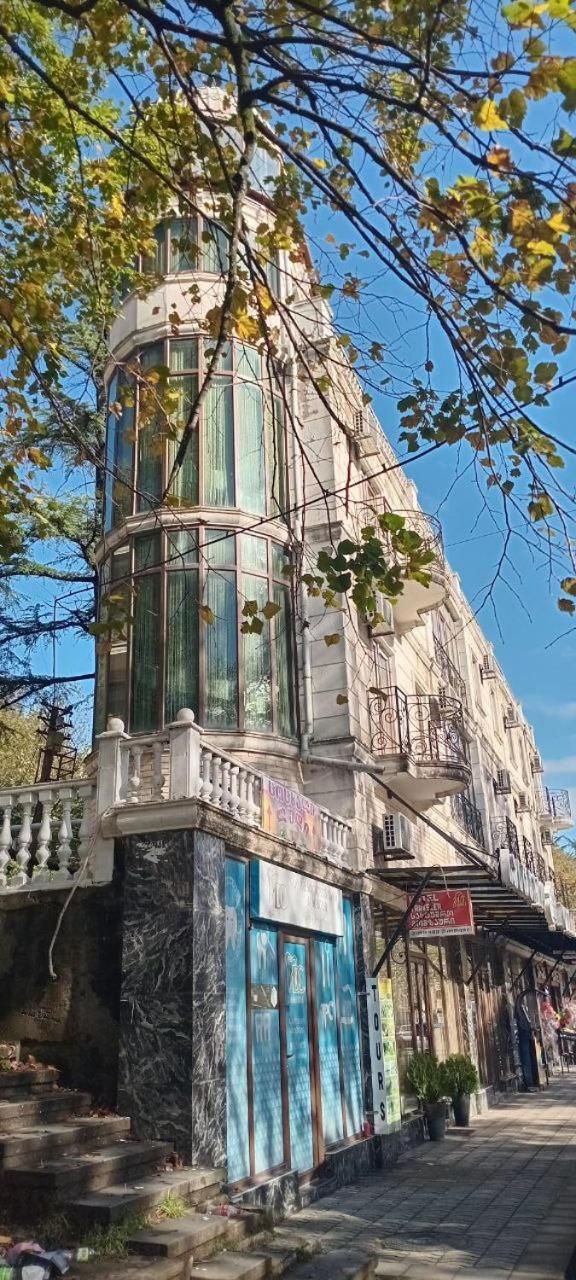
(505, 899)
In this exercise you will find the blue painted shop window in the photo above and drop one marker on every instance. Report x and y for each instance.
(267, 1089)
(298, 1055)
(348, 1020)
(236, 1025)
(328, 1042)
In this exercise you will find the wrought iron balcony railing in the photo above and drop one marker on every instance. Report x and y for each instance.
(427, 728)
(427, 527)
(505, 836)
(555, 803)
(469, 817)
(449, 672)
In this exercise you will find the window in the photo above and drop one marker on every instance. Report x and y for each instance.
(236, 454)
(199, 657)
(188, 243)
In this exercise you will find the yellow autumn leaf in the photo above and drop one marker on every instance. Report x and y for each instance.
(542, 248)
(487, 117)
(558, 223)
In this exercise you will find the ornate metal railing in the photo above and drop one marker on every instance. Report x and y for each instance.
(427, 527)
(449, 672)
(468, 816)
(505, 836)
(555, 803)
(529, 855)
(427, 728)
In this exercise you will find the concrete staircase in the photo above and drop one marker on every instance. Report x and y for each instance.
(58, 1159)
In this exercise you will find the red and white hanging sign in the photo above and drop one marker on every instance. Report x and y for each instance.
(443, 913)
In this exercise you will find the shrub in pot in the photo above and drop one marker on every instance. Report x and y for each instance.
(461, 1081)
(425, 1078)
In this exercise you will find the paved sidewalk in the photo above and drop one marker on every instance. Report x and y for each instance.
(498, 1203)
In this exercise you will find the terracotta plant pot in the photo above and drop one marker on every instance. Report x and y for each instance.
(435, 1113)
(461, 1106)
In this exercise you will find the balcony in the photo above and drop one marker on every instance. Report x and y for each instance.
(54, 834)
(466, 814)
(555, 812)
(418, 740)
(416, 598)
(449, 673)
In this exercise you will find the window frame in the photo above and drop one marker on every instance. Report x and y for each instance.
(276, 477)
(172, 561)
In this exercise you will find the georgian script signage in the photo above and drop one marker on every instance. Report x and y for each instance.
(443, 913)
(383, 1057)
(286, 897)
(291, 816)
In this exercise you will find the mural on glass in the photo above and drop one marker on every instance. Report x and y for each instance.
(326, 1014)
(236, 1027)
(348, 1019)
(298, 1055)
(267, 1090)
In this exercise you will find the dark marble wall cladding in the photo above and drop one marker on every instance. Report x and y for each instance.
(172, 1078)
(71, 1022)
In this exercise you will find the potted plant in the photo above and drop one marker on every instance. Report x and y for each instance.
(425, 1078)
(461, 1080)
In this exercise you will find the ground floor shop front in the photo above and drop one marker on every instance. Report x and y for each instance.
(293, 1010)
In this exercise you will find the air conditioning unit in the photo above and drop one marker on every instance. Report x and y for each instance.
(365, 432)
(502, 783)
(522, 802)
(511, 717)
(385, 628)
(487, 668)
(394, 838)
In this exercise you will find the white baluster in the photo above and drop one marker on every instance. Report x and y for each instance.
(255, 799)
(134, 775)
(324, 831)
(85, 828)
(158, 778)
(23, 839)
(242, 794)
(216, 796)
(234, 790)
(225, 798)
(5, 839)
(206, 775)
(64, 835)
(44, 837)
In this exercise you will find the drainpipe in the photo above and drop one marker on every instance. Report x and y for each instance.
(308, 724)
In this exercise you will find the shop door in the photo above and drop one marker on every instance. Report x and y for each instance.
(298, 1054)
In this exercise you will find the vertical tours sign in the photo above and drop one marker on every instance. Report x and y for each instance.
(383, 1058)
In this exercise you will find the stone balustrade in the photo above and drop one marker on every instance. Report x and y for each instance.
(180, 765)
(48, 830)
(45, 833)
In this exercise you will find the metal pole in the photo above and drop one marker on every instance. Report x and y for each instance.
(399, 930)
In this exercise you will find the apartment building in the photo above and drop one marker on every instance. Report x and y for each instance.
(267, 804)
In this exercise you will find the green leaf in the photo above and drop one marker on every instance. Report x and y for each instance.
(334, 638)
(545, 372)
(487, 117)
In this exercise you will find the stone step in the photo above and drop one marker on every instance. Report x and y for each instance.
(58, 1104)
(195, 1234)
(115, 1203)
(132, 1268)
(32, 1082)
(233, 1266)
(91, 1171)
(72, 1136)
(338, 1264)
